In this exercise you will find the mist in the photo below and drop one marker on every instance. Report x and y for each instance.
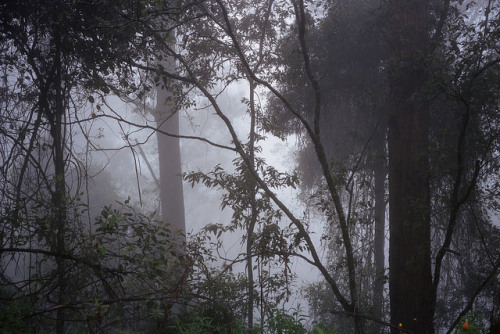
(250, 167)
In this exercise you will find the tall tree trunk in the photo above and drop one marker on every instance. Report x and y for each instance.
(410, 279)
(59, 193)
(171, 191)
(379, 242)
(169, 155)
(59, 227)
(254, 211)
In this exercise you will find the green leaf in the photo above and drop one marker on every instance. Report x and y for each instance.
(102, 249)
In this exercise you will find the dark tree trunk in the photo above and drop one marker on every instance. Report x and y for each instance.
(410, 279)
(59, 207)
(59, 193)
(254, 214)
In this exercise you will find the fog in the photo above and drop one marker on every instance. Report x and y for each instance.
(338, 166)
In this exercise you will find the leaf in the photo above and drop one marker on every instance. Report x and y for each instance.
(102, 249)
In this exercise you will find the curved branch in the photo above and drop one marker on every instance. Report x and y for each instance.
(321, 155)
(191, 79)
(153, 128)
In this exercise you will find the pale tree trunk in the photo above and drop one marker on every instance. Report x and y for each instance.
(171, 191)
(379, 242)
(169, 157)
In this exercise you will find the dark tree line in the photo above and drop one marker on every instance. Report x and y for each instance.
(402, 68)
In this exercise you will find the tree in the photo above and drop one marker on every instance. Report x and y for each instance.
(50, 53)
(226, 44)
(348, 54)
(466, 168)
(410, 277)
(169, 155)
(412, 285)
(236, 49)
(418, 95)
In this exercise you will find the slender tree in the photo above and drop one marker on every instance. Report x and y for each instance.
(51, 51)
(347, 50)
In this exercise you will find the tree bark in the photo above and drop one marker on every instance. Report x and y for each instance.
(171, 190)
(59, 194)
(379, 242)
(169, 155)
(410, 279)
(254, 211)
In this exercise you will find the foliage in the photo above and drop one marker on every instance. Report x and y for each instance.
(475, 324)
(202, 325)
(271, 240)
(321, 329)
(452, 93)
(115, 264)
(324, 75)
(13, 313)
(220, 297)
(281, 322)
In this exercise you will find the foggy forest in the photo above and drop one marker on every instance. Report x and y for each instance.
(250, 166)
